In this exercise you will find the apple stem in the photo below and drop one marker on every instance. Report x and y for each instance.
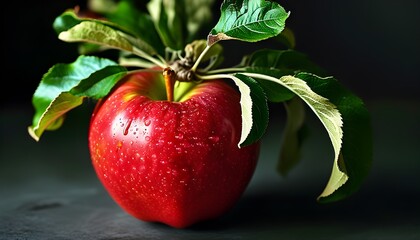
(169, 76)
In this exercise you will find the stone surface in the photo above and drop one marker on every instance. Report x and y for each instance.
(48, 189)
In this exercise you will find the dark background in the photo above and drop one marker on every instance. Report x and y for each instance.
(49, 189)
(372, 46)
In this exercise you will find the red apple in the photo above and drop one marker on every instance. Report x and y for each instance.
(175, 162)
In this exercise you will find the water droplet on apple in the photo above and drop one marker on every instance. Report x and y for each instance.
(127, 127)
(147, 122)
(214, 139)
(147, 138)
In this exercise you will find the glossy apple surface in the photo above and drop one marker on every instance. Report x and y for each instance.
(175, 162)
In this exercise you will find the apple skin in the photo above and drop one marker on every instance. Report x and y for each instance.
(177, 162)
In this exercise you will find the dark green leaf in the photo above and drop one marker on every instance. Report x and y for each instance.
(284, 61)
(179, 22)
(139, 24)
(66, 21)
(287, 38)
(65, 86)
(356, 153)
(249, 21)
(275, 92)
(279, 63)
(198, 17)
(168, 17)
(292, 136)
(99, 83)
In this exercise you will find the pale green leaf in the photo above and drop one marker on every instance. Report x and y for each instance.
(326, 111)
(96, 33)
(102, 6)
(128, 23)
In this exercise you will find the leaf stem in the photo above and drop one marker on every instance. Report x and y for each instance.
(203, 53)
(213, 76)
(128, 62)
(140, 53)
(226, 70)
(228, 75)
(260, 76)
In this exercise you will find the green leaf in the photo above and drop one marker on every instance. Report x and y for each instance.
(275, 92)
(355, 158)
(65, 21)
(99, 83)
(249, 21)
(96, 33)
(254, 109)
(198, 16)
(194, 49)
(292, 136)
(102, 6)
(279, 63)
(287, 38)
(53, 116)
(72, 28)
(136, 23)
(326, 111)
(329, 116)
(179, 22)
(65, 86)
(168, 18)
